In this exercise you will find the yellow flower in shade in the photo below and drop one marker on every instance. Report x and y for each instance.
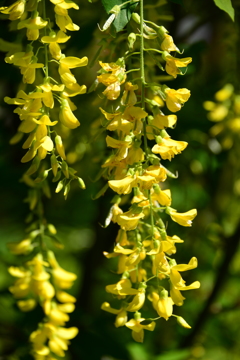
(66, 116)
(138, 300)
(53, 40)
(173, 64)
(112, 80)
(135, 154)
(184, 219)
(160, 265)
(64, 297)
(135, 114)
(218, 113)
(225, 93)
(121, 145)
(167, 44)
(20, 58)
(129, 220)
(26, 305)
(15, 11)
(29, 72)
(176, 98)
(140, 199)
(122, 288)
(168, 148)
(33, 25)
(65, 23)
(137, 328)
(164, 121)
(123, 186)
(62, 278)
(129, 97)
(121, 317)
(47, 89)
(22, 247)
(164, 306)
(138, 276)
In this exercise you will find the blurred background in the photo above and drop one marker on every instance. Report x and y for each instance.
(209, 180)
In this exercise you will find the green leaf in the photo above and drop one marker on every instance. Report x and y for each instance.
(125, 14)
(226, 5)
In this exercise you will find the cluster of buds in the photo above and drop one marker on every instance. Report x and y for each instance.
(45, 109)
(142, 246)
(225, 112)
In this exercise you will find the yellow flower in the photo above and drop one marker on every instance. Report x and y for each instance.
(62, 278)
(138, 329)
(218, 113)
(129, 220)
(164, 306)
(122, 145)
(121, 317)
(173, 64)
(20, 58)
(138, 300)
(184, 219)
(33, 25)
(67, 63)
(177, 282)
(157, 171)
(53, 40)
(65, 23)
(163, 121)
(129, 97)
(112, 80)
(123, 288)
(161, 196)
(66, 116)
(168, 148)
(23, 247)
(225, 93)
(135, 154)
(15, 11)
(176, 98)
(123, 186)
(29, 72)
(167, 44)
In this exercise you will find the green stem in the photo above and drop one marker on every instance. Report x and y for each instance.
(142, 74)
(45, 33)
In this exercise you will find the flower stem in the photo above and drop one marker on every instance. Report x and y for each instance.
(142, 74)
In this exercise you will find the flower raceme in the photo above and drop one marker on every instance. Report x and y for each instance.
(133, 114)
(46, 71)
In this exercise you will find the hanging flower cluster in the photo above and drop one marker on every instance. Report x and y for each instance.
(226, 113)
(45, 110)
(143, 247)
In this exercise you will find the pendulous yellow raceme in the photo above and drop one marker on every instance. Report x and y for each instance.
(143, 247)
(45, 111)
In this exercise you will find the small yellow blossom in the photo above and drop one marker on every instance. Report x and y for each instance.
(184, 219)
(168, 147)
(138, 329)
(15, 11)
(176, 98)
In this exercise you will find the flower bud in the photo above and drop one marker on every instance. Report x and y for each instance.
(136, 18)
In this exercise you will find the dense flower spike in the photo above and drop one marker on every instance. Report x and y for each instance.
(133, 114)
(45, 111)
